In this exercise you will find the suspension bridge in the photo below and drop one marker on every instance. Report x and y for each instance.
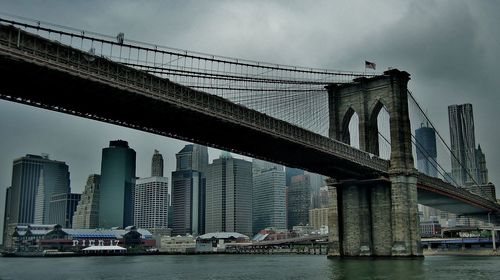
(353, 127)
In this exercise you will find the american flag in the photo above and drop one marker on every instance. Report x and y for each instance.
(370, 65)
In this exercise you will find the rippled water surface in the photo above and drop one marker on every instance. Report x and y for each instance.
(247, 267)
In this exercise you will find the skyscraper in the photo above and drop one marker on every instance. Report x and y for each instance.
(6, 216)
(268, 196)
(40, 204)
(463, 144)
(482, 170)
(425, 138)
(87, 211)
(157, 165)
(62, 207)
(290, 172)
(229, 195)
(299, 201)
(151, 203)
(426, 150)
(116, 208)
(26, 176)
(23, 191)
(316, 181)
(188, 190)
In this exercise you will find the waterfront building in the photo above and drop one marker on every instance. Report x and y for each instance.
(229, 195)
(430, 229)
(62, 207)
(178, 244)
(37, 238)
(217, 241)
(188, 190)
(116, 208)
(299, 201)
(157, 165)
(318, 218)
(87, 210)
(268, 199)
(151, 203)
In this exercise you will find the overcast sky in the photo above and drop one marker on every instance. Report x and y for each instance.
(450, 48)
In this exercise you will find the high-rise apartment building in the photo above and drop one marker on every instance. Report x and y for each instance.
(62, 207)
(87, 211)
(151, 203)
(268, 196)
(229, 196)
(116, 203)
(157, 164)
(463, 144)
(299, 201)
(188, 190)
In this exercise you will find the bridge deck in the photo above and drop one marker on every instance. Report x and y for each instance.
(72, 81)
(47, 74)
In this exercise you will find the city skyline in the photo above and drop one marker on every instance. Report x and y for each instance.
(423, 75)
(472, 20)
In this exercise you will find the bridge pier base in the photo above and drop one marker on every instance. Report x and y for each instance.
(333, 249)
(405, 225)
(375, 219)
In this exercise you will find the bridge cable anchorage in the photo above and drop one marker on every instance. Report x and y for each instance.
(447, 147)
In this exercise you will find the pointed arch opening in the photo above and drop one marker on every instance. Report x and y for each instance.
(380, 135)
(350, 128)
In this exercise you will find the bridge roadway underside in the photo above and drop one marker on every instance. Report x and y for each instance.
(450, 204)
(44, 87)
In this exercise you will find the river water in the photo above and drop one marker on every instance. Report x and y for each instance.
(253, 267)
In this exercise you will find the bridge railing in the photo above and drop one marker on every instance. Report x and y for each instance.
(54, 54)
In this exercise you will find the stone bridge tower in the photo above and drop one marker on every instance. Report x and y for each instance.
(376, 217)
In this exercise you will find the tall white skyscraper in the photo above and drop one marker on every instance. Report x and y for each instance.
(151, 203)
(151, 198)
